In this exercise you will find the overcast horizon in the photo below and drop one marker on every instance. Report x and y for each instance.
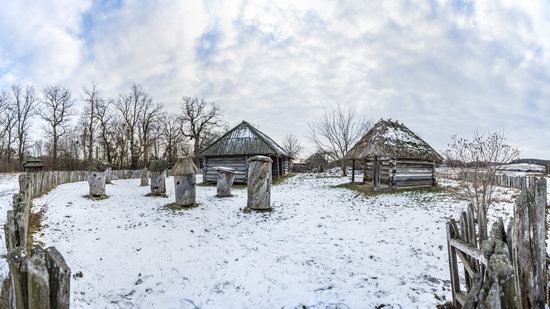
(440, 67)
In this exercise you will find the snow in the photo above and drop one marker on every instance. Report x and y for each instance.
(9, 185)
(525, 167)
(320, 246)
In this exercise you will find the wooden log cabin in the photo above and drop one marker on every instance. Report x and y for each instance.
(394, 157)
(235, 147)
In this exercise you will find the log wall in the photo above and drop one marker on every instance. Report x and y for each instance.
(240, 165)
(400, 173)
(413, 174)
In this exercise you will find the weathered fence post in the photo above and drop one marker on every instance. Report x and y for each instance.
(108, 175)
(184, 172)
(38, 278)
(259, 183)
(226, 176)
(144, 177)
(158, 179)
(530, 247)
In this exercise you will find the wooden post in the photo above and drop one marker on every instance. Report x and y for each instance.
(453, 266)
(225, 181)
(144, 177)
(108, 175)
(353, 171)
(97, 181)
(259, 183)
(530, 247)
(60, 279)
(184, 173)
(158, 183)
(38, 282)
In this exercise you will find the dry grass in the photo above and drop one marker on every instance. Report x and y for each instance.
(36, 222)
(5, 293)
(368, 191)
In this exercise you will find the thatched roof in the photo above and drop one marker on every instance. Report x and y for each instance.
(184, 166)
(243, 139)
(33, 162)
(393, 139)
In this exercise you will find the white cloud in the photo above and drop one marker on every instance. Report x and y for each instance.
(441, 67)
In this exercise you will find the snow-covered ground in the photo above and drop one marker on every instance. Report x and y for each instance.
(320, 246)
(8, 186)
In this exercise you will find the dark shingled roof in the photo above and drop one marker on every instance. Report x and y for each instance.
(32, 162)
(392, 139)
(243, 139)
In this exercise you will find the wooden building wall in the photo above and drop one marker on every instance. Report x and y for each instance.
(414, 174)
(399, 173)
(240, 164)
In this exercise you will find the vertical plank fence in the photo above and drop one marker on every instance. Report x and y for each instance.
(39, 278)
(501, 180)
(508, 268)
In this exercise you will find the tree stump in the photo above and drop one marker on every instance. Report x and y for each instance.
(184, 173)
(97, 181)
(225, 180)
(158, 183)
(259, 183)
(144, 178)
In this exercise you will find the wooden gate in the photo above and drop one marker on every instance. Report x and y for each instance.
(507, 269)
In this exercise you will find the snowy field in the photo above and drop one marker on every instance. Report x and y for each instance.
(320, 247)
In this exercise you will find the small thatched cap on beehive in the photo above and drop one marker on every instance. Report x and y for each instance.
(157, 165)
(98, 166)
(184, 166)
(260, 158)
(33, 163)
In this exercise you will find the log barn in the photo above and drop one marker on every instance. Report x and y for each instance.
(235, 147)
(394, 157)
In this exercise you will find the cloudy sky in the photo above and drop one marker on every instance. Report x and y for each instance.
(439, 66)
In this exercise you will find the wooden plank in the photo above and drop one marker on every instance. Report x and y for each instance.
(453, 266)
(469, 250)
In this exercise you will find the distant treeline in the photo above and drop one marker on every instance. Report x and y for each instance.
(126, 131)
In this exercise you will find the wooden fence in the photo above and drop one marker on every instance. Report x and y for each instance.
(502, 180)
(39, 278)
(508, 268)
(43, 182)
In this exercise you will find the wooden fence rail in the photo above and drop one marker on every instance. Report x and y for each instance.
(39, 278)
(508, 268)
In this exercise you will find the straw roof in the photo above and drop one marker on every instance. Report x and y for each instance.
(243, 139)
(393, 139)
(184, 166)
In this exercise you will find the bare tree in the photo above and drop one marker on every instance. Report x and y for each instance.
(171, 137)
(292, 146)
(199, 121)
(482, 159)
(92, 98)
(25, 105)
(131, 108)
(105, 118)
(57, 102)
(149, 116)
(338, 129)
